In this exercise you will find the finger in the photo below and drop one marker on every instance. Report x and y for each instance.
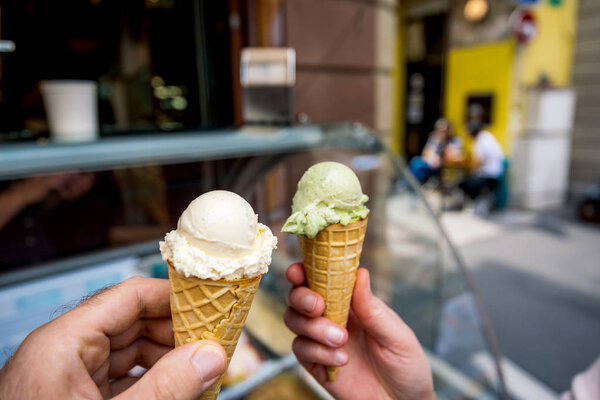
(99, 378)
(311, 351)
(120, 385)
(306, 302)
(318, 329)
(114, 310)
(295, 274)
(184, 373)
(318, 371)
(379, 321)
(159, 330)
(142, 352)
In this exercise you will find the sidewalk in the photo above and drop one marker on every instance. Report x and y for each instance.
(539, 277)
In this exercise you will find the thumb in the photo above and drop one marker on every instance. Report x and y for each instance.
(184, 373)
(378, 320)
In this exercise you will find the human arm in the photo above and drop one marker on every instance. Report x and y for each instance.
(453, 153)
(24, 193)
(88, 351)
(431, 153)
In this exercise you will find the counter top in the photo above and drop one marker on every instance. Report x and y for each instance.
(22, 159)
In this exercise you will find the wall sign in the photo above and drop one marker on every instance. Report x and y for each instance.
(523, 25)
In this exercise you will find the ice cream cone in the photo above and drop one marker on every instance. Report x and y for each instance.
(205, 309)
(331, 259)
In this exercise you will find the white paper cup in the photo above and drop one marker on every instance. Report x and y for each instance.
(71, 109)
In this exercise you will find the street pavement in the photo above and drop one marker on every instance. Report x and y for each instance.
(539, 277)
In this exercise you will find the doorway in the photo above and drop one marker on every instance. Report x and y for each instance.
(426, 42)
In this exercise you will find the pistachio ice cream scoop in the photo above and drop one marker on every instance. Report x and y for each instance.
(328, 193)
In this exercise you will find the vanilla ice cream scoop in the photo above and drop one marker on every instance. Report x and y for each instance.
(220, 223)
(219, 237)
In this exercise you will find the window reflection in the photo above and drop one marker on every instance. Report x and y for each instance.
(51, 216)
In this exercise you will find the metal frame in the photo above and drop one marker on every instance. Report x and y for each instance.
(20, 160)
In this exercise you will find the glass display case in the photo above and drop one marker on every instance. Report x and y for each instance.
(159, 65)
(96, 215)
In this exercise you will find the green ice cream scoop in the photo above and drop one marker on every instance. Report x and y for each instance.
(328, 193)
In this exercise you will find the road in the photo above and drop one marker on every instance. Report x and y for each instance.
(539, 277)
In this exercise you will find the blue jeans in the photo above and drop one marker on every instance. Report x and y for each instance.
(475, 186)
(420, 169)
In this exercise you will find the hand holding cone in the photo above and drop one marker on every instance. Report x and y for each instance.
(204, 309)
(329, 217)
(331, 260)
(217, 256)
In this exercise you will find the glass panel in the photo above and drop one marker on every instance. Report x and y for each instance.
(414, 270)
(46, 218)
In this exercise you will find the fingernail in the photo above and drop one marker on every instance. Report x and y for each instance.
(309, 303)
(208, 361)
(340, 358)
(334, 335)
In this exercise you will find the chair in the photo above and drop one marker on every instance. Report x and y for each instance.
(502, 193)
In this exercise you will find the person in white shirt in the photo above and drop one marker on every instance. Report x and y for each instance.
(488, 160)
(489, 155)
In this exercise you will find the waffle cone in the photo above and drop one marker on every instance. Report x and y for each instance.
(331, 259)
(205, 309)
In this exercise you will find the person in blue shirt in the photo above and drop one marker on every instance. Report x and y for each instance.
(441, 146)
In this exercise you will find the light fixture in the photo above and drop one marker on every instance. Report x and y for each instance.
(476, 10)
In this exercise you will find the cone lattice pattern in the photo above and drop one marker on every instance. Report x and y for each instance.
(330, 261)
(203, 309)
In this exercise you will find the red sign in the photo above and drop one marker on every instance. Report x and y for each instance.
(523, 25)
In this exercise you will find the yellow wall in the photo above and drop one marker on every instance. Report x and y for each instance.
(479, 70)
(490, 68)
(399, 84)
(551, 51)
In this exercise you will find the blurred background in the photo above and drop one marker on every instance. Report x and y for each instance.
(115, 115)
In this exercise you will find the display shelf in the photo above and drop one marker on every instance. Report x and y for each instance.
(18, 160)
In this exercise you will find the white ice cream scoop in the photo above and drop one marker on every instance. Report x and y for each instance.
(219, 237)
(220, 223)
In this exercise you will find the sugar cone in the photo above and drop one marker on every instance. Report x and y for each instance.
(331, 259)
(204, 309)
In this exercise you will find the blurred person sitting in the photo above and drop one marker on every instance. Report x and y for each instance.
(22, 194)
(441, 147)
(44, 217)
(488, 164)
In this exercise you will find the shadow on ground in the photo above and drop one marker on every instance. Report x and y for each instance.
(551, 331)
